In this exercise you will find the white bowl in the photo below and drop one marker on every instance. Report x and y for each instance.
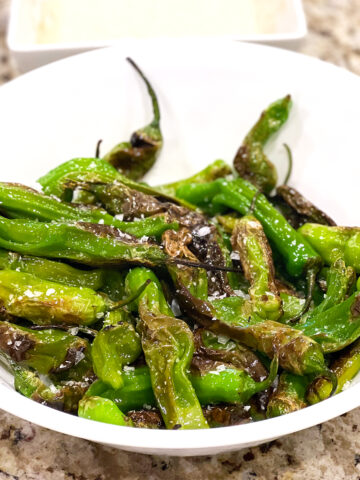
(210, 94)
(278, 22)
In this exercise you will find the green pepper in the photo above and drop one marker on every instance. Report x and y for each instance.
(336, 327)
(334, 242)
(345, 367)
(116, 345)
(213, 387)
(102, 410)
(44, 302)
(136, 157)
(47, 351)
(64, 396)
(249, 241)
(22, 202)
(250, 161)
(83, 242)
(168, 347)
(54, 271)
(289, 395)
(217, 169)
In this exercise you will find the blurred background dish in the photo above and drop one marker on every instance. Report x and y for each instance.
(42, 31)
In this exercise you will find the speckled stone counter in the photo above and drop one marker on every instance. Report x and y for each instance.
(326, 452)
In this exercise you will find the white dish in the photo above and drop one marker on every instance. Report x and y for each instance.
(210, 94)
(41, 31)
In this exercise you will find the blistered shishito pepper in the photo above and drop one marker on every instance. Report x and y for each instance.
(339, 281)
(64, 396)
(102, 410)
(345, 367)
(302, 206)
(117, 344)
(136, 157)
(83, 242)
(250, 161)
(45, 303)
(334, 242)
(217, 169)
(62, 181)
(47, 351)
(249, 241)
(168, 347)
(53, 271)
(289, 395)
(22, 202)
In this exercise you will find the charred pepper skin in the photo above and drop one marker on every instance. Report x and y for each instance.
(289, 395)
(249, 241)
(47, 351)
(168, 347)
(334, 242)
(21, 202)
(242, 196)
(102, 410)
(136, 157)
(64, 396)
(250, 161)
(85, 243)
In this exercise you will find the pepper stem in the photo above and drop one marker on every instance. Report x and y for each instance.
(131, 298)
(310, 281)
(274, 366)
(97, 150)
(155, 104)
(290, 163)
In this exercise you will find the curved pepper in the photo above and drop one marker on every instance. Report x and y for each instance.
(345, 367)
(102, 410)
(43, 302)
(64, 396)
(168, 347)
(249, 241)
(136, 157)
(116, 345)
(83, 242)
(47, 351)
(250, 161)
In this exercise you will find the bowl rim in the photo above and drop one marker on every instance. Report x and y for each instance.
(182, 442)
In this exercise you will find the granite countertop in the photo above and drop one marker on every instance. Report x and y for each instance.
(325, 452)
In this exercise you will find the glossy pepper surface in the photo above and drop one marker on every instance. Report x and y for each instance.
(289, 395)
(47, 351)
(83, 242)
(168, 347)
(334, 242)
(250, 161)
(249, 241)
(102, 410)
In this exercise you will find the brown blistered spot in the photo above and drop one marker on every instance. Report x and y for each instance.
(15, 343)
(146, 418)
(101, 230)
(226, 415)
(355, 307)
(72, 358)
(23, 187)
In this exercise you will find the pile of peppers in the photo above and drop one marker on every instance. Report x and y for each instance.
(216, 300)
